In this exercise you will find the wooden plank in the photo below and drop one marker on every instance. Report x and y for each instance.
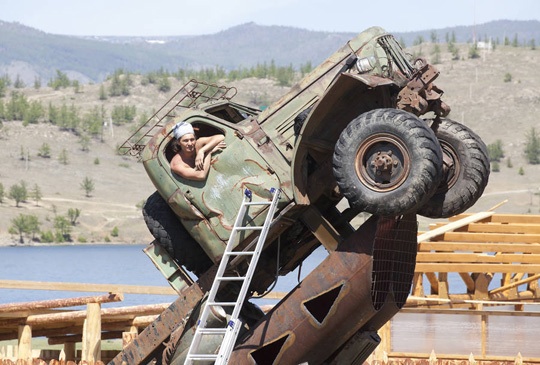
(469, 282)
(493, 268)
(10, 333)
(433, 282)
(503, 218)
(84, 287)
(479, 247)
(506, 258)
(69, 351)
(491, 227)
(504, 228)
(453, 225)
(516, 218)
(59, 303)
(47, 319)
(515, 284)
(91, 336)
(25, 343)
(489, 237)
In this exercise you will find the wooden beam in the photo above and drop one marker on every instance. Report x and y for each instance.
(84, 287)
(433, 282)
(455, 267)
(504, 228)
(25, 343)
(503, 258)
(469, 282)
(453, 225)
(490, 227)
(479, 246)
(74, 316)
(11, 333)
(60, 303)
(91, 337)
(505, 218)
(515, 284)
(321, 228)
(69, 351)
(489, 237)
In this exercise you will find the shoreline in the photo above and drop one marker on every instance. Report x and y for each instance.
(7, 241)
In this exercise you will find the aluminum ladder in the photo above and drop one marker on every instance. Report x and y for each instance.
(230, 332)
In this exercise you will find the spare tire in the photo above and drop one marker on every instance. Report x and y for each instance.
(465, 173)
(170, 234)
(387, 162)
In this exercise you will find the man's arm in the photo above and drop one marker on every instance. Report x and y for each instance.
(205, 146)
(179, 167)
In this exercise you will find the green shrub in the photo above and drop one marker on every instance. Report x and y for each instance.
(47, 237)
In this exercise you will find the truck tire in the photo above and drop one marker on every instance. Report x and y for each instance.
(465, 172)
(387, 162)
(172, 236)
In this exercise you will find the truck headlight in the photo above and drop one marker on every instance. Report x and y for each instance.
(365, 64)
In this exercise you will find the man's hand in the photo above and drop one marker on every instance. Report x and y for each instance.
(220, 146)
(199, 160)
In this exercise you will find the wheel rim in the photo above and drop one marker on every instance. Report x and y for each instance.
(451, 167)
(382, 162)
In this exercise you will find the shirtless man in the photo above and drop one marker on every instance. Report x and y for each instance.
(193, 156)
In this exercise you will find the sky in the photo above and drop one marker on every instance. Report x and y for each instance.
(192, 17)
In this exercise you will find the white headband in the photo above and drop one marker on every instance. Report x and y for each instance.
(181, 129)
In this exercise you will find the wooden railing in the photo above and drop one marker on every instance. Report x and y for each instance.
(477, 248)
(49, 318)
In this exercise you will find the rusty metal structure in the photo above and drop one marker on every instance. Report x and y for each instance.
(367, 126)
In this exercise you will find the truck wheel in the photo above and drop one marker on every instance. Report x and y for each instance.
(465, 171)
(172, 236)
(387, 162)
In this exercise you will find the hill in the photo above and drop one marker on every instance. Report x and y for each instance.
(31, 53)
(480, 92)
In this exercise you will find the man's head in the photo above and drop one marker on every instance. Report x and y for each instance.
(181, 129)
(185, 137)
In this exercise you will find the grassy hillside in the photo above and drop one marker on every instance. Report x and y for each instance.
(31, 53)
(475, 89)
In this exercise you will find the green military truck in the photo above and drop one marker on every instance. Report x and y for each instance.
(365, 131)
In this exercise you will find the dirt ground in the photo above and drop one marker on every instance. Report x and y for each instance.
(473, 88)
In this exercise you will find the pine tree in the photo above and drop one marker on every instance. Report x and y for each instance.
(532, 148)
(88, 186)
(36, 194)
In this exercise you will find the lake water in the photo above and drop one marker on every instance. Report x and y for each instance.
(127, 264)
(98, 264)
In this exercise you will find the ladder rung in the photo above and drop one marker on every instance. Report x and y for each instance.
(202, 357)
(255, 228)
(224, 304)
(257, 203)
(239, 253)
(212, 331)
(231, 278)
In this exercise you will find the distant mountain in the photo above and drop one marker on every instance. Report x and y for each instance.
(31, 53)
